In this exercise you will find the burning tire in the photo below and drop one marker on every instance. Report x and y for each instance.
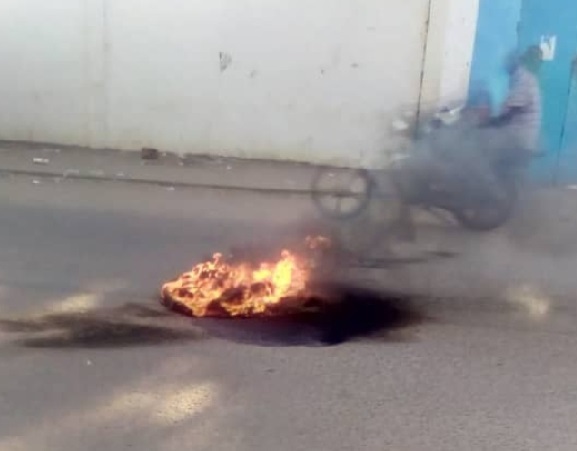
(221, 288)
(217, 309)
(280, 297)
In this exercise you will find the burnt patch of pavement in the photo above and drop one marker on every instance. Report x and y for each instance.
(347, 313)
(132, 325)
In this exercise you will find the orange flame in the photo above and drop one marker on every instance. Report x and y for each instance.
(217, 288)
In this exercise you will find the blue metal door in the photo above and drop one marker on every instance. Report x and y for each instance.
(496, 37)
(552, 24)
(567, 167)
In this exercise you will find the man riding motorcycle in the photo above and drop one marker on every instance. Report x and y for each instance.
(473, 158)
(512, 137)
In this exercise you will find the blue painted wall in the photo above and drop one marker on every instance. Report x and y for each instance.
(496, 36)
(567, 161)
(557, 18)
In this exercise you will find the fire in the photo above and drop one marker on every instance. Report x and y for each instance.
(222, 289)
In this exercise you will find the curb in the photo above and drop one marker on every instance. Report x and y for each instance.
(162, 183)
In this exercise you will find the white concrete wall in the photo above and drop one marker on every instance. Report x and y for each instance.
(458, 48)
(43, 64)
(304, 80)
(449, 52)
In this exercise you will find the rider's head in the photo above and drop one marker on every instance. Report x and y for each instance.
(532, 58)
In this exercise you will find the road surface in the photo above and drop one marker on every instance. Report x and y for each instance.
(89, 362)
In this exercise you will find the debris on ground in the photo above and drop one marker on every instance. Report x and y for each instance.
(149, 154)
(70, 172)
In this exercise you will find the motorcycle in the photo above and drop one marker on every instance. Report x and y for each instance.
(432, 172)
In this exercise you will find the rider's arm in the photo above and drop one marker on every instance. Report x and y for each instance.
(518, 101)
(506, 116)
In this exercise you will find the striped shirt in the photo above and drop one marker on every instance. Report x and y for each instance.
(525, 94)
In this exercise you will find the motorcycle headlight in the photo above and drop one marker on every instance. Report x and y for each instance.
(400, 125)
(398, 158)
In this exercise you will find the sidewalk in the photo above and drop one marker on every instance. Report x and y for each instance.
(167, 170)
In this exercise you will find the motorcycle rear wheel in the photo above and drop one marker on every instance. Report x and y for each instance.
(490, 216)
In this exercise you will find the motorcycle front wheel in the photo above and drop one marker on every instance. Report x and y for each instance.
(370, 233)
(341, 193)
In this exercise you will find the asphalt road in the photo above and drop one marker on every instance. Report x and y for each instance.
(88, 361)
